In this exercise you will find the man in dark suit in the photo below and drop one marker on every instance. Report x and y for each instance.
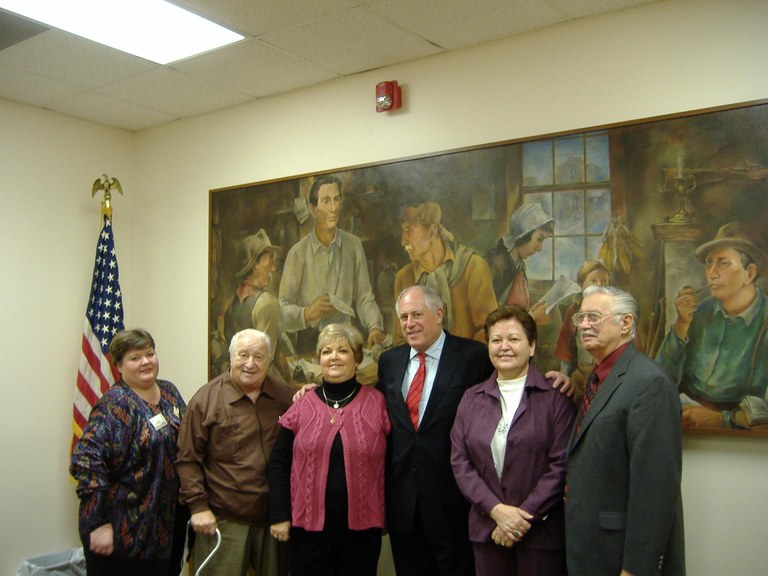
(426, 512)
(623, 512)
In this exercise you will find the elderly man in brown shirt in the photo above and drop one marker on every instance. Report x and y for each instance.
(225, 441)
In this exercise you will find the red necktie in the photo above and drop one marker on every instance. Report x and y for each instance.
(589, 394)
(414, 392)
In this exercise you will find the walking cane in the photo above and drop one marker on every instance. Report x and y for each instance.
(210, 556)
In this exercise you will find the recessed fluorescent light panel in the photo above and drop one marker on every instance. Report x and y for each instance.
(151, 29)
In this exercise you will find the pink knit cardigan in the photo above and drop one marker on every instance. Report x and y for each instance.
(364, 426)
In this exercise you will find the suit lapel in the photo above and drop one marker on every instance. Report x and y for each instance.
(400, 367)
(446, 368)
(606, 391)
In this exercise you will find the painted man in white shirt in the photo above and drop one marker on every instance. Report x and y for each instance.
(325, 276)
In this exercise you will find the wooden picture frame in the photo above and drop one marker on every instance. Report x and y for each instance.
(642, 195)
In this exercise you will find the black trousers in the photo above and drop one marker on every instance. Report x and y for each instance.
(334, 552)
(434, 551)
(98, 565)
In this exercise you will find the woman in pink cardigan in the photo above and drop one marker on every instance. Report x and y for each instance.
(326, 471)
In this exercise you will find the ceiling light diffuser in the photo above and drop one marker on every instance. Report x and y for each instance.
(152, 29)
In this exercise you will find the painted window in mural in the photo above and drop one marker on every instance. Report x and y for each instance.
(569, 177)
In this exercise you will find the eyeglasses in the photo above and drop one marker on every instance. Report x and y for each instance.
(592, 318)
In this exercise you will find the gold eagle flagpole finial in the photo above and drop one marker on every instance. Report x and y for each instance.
(106, 184)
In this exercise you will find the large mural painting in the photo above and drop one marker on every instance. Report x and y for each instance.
(672, 209)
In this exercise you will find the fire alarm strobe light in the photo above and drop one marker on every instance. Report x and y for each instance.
(388, 96)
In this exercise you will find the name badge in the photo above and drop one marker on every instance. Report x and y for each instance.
(158, 421)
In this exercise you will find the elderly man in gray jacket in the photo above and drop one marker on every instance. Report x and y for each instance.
(623, 513)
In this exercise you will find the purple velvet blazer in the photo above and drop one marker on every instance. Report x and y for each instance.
(533, 477)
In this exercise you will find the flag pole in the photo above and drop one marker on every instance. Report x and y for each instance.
(103, 317)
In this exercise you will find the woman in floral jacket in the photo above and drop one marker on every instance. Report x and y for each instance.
(124, 467)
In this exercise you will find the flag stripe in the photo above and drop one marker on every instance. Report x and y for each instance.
(103, 318)
(95, 363)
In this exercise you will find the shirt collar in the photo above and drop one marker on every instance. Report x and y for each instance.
(315, 244)
(518, 264)
(531, 380)
(246, 289)
(604, 368)
(233, 392)
(435, 350)
(418, 269)
(747, 315)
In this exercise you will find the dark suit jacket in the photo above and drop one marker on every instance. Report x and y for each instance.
(623, 506)
(419, 463)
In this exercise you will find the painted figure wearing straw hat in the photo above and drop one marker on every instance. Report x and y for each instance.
(717, 348)
(253, 306)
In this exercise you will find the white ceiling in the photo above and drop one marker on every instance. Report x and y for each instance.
(289, 44)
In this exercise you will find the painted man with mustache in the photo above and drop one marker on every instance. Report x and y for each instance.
(717, 349)
(457, 273)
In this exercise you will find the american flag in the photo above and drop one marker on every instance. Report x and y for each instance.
(103, 319)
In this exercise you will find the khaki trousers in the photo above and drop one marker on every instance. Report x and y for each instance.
(242, 546)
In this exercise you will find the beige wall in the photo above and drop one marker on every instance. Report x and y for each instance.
(48, 229)
(664, 58)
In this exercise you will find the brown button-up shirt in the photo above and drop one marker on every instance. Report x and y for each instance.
(224, 446)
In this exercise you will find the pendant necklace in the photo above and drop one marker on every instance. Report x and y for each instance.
(504, 425)
(337, 404)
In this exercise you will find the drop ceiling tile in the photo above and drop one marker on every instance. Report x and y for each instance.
(298, 43)
(352, 41)
(590, 7)
(454, 24)
(111, 111)
(62, 56)
(256, 18)
(167, 90)
(32, 89)
(255, 68)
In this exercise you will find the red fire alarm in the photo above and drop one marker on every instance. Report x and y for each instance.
(388, 96)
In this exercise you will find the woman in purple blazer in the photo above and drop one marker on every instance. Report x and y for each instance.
(508, 454)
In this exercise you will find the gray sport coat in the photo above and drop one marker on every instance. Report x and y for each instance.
(623, 503)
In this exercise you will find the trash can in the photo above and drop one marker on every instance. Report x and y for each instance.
(65, 563)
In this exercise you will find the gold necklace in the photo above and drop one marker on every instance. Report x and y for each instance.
(337, 404)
